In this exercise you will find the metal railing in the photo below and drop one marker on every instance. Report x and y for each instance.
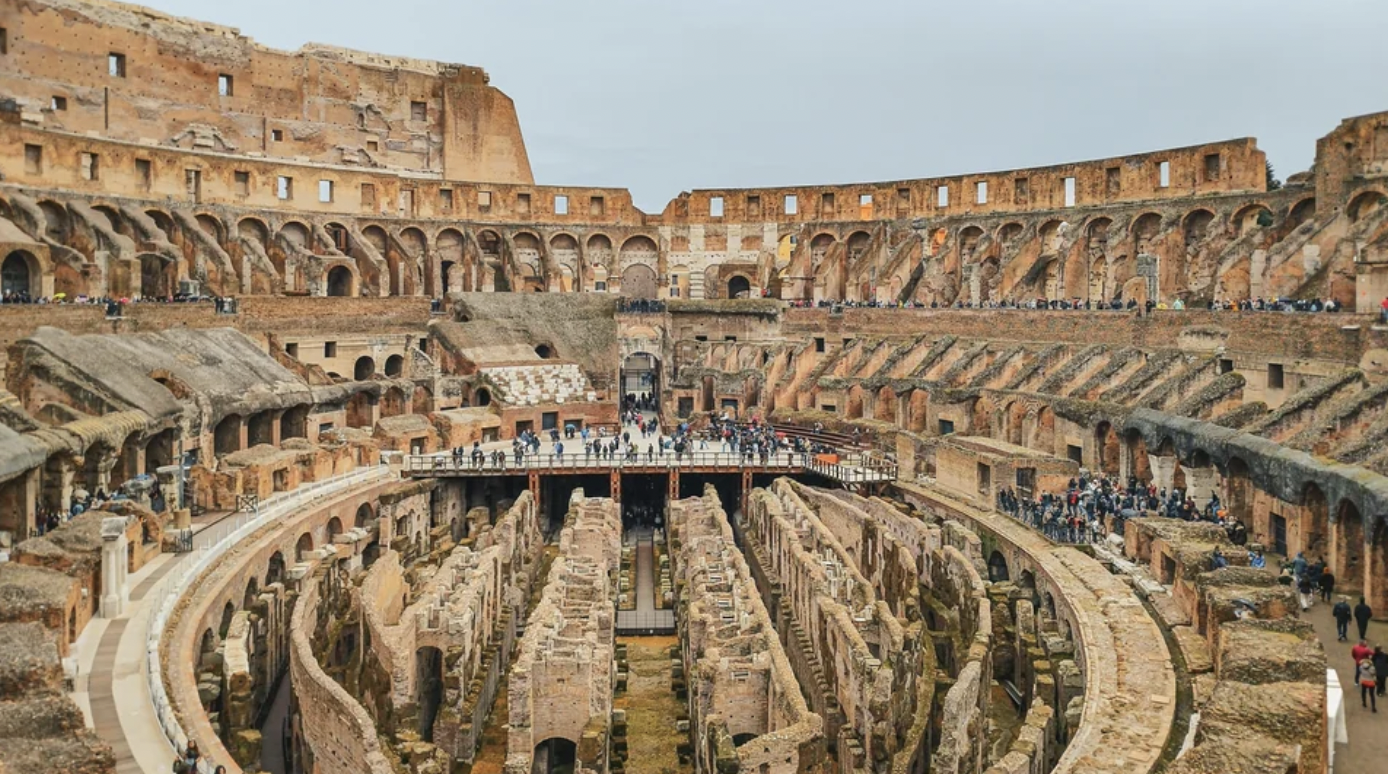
(212, 543)
(853, 469)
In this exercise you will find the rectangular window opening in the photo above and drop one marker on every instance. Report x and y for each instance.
(1276, 376)
(4, 41)
(446, 199)
(597, 206)
(1211, 167)
(58, 103)
(330, 349)
(1113, 181)
(1164, 174)
(561, 205)
(819, 344)
(942, 196)
(91, 166)
(368, 197)
(224, 85)
(753, 206)
(523, 203)
(1021, 190)
(284, 187)
(484, 200)
(903, 201)
(1069, 192)
(1226, 365)
(981, 191)
(865, 206)
(715, 207)
(419, 111)
(277, 135)
(243, 183)
(373, 145)
(144, 172)
(826, 205)
(33, 159)
(946, 426)
(792, 204)
(115, 64)
(325, 191)
(292, 349)
(192, 183)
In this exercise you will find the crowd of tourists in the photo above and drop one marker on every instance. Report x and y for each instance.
(1079, 304)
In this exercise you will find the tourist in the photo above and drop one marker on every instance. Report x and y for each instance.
(1305, 592)
(1367, 678)
(1361, 651)
(1299, 565)
(1220, 561)
(1342, 614)
(1380, 658)
(1327, 583)
(1258, 561)
(1362, 614)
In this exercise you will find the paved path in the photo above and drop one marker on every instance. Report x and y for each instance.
(645, 574)
(1368, 733)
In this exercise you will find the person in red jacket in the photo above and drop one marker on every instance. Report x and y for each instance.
(1361, 651)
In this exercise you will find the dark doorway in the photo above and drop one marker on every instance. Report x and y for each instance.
(554, 756)
(428, 689)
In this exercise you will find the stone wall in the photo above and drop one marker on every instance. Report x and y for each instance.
(561, 683)
(747, 711)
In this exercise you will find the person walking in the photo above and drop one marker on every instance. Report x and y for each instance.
(1304, 592)
(1362, 614)
(1367, 678)
(1342, 613)
(1327, 584)
(1381, 667)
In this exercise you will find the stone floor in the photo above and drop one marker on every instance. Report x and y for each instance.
(1367, 750)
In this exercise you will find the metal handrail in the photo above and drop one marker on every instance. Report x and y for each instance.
(856, 469)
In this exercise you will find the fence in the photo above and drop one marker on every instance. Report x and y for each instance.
(855, 470)
(214, 541)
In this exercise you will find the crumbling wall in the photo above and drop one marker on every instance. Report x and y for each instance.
(561, 683)
(741, 684)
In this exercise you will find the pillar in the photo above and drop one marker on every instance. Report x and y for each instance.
(115, 565)
(1200, 484)
(1163, 471)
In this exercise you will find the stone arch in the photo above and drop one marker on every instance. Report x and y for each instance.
(341, 282)
(884, 405)
(21, 272)
(274, 569)
(857, 244)
(1050, 236)
(739, 287)
(1008, 233)
(1348, 530)
(303, 546)
(1195, 226)
(228, 612)
(334, 528)
(969, 237)
(1248, 217)
(394, 402)
(820, 246)
(297, 233)
(997, 568)
(395, 365)
(158, 276)
(453, 275)
(363, 517)
(639, 281)
(253, 229)
(294, 422)
(1106, 448)
(114, 217)
(1301, 212)
(482, 397)
(364, 368)
(227, 435)
(1365, 203)
(1146, 227)
(252, 591)
(1315, 522)
(918, 410)
(853, 408)
(165, 224)
(376, 236)
(56, 223)
(563, 250)
(422, 402)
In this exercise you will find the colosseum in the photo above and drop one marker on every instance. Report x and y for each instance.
(331, 443)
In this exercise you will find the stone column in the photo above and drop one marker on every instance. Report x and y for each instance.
(1163, 471)
(115, 565)
(1200, 484)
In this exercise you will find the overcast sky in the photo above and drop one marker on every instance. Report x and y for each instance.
(661, 97)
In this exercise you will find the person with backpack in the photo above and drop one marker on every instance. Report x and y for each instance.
(1367, 677)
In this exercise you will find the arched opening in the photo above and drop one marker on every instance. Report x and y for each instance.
(1349, 545)
(227, 613)
(428, 664)
(1197, 227)
(483, 397)
(334, 528)
(1145, 231)
(918, 410)
(1301, 212)
(364, 516)
(640, 375)
(395, 366)
(303, 547)
(17, 275)
(260, 429)
(1364, 204)
(394, 403)
(158, 276)
(274, 572)
(252, 591)
(227, 436)
(1377, 591)
(554, 756)
(1106, 448)
(997, 568)
(739, 287)
(159, 452)
(294, 423)
(1315, 525)
(743, 738)
(340, 281)
(364, 368)
(1251, 217)
(359, 410)
(544, 351)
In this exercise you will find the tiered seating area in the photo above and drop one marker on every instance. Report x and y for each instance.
(532, 385)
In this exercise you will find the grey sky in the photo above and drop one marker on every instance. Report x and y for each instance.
(661, 97)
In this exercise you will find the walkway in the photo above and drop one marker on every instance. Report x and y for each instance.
(1368, 733)
(110, 659)
(645, 619)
